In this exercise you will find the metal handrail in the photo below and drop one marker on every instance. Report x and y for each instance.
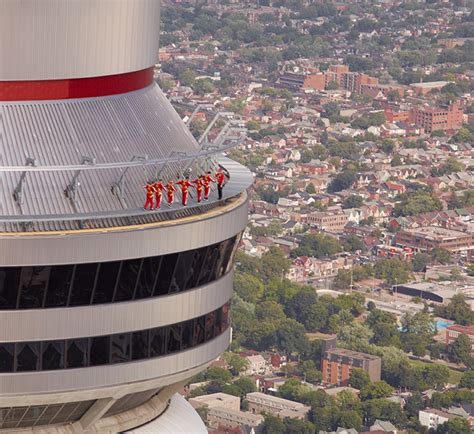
(118, 165)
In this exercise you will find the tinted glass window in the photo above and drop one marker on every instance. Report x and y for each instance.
(174, 338)
(77, 353)
(195, 267)
(157, 342)
(199, 333)
(127, 280)
(182, 272)
(140, 345)
(187, 334)
(9, 282)
(209, 263)
(33, 281)
(84, 278)
(106, 280)
(100, 350)
(210, 321)
(120, 348)
(166, 274)
(6, 357)
(59, 285)
(27, 356)
(53, 355)
(147, 278)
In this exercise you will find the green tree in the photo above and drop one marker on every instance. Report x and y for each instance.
(273, 425)
(352, 243)
(351, 419)
(246, 385)
(359, 378)
(342, 181)
(311, 373)
(467, 380)
(248, 287)
(460, 350)
(220, 374)
(384, 326)
(317, 245)
(237, 363)
(420, 261)
(353, 201)
(393, 271)
(457, 309)
(414, 404)
(274, 263)
(416, 203)
(187, 77)
(293, 390)
(376, 390)
(454, 426)
(441, 256)
(354, 335)
(291, 337)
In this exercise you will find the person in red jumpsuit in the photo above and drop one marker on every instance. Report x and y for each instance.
(150, 192)
(207, 179)
(198, 185)
(185, 184)
(170, 192)
(159, 188)
(220, 177)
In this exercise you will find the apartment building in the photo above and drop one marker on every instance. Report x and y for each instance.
(328, 221)
(260, 403)
(449, 117)
(337, 364)
(228, 418)
(454, 331)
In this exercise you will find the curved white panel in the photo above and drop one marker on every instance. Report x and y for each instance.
(125, 243)
(55, 39)
(111, 318)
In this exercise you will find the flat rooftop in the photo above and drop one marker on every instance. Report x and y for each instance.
(437, 233)
(352, 354)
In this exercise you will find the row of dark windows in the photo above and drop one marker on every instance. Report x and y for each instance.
(38, 415)
(109, 282)
(111, 349)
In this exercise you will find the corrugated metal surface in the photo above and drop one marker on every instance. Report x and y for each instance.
(53, 39)
(108, 129)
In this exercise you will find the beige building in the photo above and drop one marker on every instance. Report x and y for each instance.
(222, 400)
(261, 403)
(220, 416)
(328, 221)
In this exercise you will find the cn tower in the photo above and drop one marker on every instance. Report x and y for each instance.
(106, 309)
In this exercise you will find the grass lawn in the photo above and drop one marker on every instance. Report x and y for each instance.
(454, 376)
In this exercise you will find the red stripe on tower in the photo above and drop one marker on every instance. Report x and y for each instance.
(41, 90)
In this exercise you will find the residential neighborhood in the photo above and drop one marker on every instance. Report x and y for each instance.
(353, 309)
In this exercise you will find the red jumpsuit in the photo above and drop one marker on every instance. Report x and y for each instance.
(170, 191)
(159, 187)
(198, 186)
(150, 190)
(220, 183)
(185, 184)
(207, 179)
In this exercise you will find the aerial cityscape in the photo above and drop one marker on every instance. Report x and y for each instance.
(354, 284)
(237, 216)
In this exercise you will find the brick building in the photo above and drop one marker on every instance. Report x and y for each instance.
(429, 237)
(454, 331)
(431, 119)
(338, 362)
(331, 222)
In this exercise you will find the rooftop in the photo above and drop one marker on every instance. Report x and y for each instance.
(437, 233)
(352, 354)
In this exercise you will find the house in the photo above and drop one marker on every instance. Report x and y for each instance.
(384, 425)
(256, 365)
(432, 417)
